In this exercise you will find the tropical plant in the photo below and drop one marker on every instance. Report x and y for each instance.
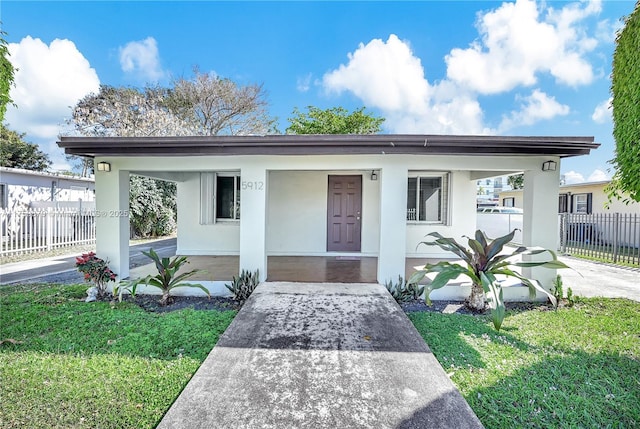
(484, 261)
(403, 291)
(167, 278)
(243, 286)
(96, 271)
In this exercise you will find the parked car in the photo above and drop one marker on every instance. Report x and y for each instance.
(500, 209)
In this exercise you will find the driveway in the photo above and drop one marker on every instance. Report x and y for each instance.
(320, 356)
(591, 279)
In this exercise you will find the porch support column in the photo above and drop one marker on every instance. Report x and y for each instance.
(540, 222)
(253, 219)
(112, 219)
(393, 223)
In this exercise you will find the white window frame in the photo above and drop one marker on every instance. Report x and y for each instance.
(208, 195)
(577, 201)
(445, 196)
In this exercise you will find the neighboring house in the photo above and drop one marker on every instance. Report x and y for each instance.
(585, 198)
(24, 189)
(489, 190)
(346, 196)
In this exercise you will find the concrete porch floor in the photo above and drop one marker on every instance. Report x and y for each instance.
(313, 269)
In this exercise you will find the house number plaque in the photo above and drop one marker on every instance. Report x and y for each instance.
(252, 186)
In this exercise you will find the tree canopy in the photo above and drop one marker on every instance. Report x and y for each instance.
(625, 90)
(210, 105)
(335, 120)
(516, 181)
(6, 76)
(203, 105)
(15, 152)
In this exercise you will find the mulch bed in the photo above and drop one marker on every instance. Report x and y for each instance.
(151, 303)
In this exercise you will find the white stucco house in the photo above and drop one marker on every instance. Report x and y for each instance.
(349, 196)
(26, 189)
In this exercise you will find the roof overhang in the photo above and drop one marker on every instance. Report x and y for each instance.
(331, 144)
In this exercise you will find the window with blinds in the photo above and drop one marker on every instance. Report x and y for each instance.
(428, 197)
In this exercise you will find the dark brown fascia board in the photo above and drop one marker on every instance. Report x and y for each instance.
(327, 145)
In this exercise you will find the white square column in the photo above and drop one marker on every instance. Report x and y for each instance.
(253, 219)
(112, 219)
(393, 222)
(540, 222)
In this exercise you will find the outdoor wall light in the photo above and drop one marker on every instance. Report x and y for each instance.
(374, 175)
(104, 166)
(549, 166)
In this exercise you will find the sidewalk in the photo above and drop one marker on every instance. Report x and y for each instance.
(320, 356)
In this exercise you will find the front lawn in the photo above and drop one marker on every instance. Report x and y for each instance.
(67, 363)
(578, 367)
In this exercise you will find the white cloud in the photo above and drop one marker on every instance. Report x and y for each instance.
(49, 80)
(303, 83)
(602, 112)
(141, 58)
(516, 44)
(572, 177)
(536, 107)
(388, 76)
(598, 176)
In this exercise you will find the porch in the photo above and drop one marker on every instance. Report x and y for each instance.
(216, 271)
(307, 269)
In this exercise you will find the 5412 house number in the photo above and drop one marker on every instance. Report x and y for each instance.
(252, 186)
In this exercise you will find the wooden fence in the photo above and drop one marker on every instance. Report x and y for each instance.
(610, 237)
(29, 231)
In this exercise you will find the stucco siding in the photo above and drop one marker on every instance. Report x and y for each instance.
(297, 212)
(462, 218)
(222, 238)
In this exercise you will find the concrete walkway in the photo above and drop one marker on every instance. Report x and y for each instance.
(320, 356)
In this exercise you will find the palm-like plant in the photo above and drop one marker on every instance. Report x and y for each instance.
(484, 261)
(167, 278)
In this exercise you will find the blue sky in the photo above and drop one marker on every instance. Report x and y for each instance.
(440, 67)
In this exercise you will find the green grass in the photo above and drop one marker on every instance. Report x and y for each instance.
(80, 364)
(577, 367)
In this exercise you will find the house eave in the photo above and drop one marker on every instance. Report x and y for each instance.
(405, 144)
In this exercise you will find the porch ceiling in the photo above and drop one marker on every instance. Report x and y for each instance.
(329, 145)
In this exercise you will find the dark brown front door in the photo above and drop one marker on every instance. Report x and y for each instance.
(344, 207)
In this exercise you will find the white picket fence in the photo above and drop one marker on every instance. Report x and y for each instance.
(29, 231)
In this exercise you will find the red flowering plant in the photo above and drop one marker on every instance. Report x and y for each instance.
(95, 270)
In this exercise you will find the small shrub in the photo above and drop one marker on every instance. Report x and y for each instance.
(243, 286)
(96, 271)
(571, 299)
(556, 289)
(403, 291)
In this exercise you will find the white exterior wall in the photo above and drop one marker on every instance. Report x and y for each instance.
(462, 218)
(222, 238)
(295, 194)
(297, 212)
(540, 220)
